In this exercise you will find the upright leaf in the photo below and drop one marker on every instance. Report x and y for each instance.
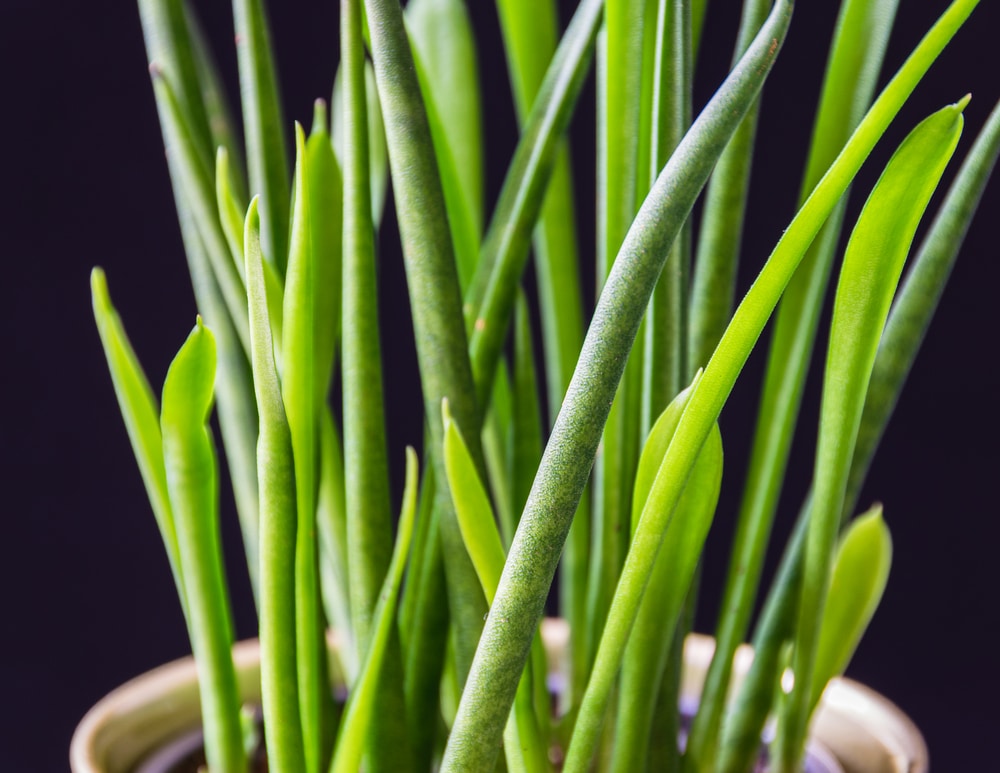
(860, 572)
(141, 413)
(326, 194)
(489, 300)
(436, 302)
(168, 46)
(359, 712)
(192, 482)
(366, 465)
(529, 29)
(440, 32)
(378, 161)
(264, 127)
(276, 473)
(524, 747)
(301, 399)
(559, 483)
(663, 601)
(872, 265)
(919, 295)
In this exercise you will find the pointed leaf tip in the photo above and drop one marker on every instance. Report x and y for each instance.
(98, 284)
(320, 122)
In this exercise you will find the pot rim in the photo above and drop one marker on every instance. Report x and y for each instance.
(853, 721)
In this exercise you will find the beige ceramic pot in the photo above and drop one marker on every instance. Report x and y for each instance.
(863, 731)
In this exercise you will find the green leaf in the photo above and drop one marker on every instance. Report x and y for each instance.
(619, 87)
(168, 45)
(855, 58)
(563, 472)
(472, 506)
(369, 526)
(230, 210)
(714, 280)
(860, 572)
(171, 49)
(378, 159)
(359, 712)
(369, 520)
(523, 746)
(424, 628)
(263, 126)
(141, 413)
(529, 30)
(192, 483)
(620, 60)
(665, 356)
(489, 301)
(276, 475)
(435, 297)
(440, 32)
(301, 399)
(526, 448)
(913, 305)
(872, 265)
(196, 185)
(919, 295)
(331, 518)
(674, 570)
(326, 233)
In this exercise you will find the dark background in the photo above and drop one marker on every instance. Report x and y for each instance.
(87, 597)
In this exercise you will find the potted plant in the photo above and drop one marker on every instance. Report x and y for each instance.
(448, 668)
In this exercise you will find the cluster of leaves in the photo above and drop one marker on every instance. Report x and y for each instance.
(288, 294)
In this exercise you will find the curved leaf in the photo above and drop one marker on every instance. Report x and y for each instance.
(671, 579)
(435, 295)
(860, 572)
(141, 413)
(489, 301)
(563, 472)
(872, 265)
(524, 749)
(854, 61)
(472, 507)
(192, 481)
(918, 297)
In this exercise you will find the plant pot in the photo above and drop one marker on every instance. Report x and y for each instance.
(861, 730)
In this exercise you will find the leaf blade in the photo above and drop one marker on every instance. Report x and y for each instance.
(872, 265)
(192, 483)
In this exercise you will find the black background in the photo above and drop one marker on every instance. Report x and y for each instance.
(87, 597)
